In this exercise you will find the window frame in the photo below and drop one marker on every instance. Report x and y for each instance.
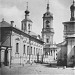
(24, 46)
(17, 47)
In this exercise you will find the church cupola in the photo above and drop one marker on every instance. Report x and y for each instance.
(27, 12)
(72, 8)
(48, 13)
(26, 23)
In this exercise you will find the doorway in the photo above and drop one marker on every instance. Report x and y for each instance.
(6, 57)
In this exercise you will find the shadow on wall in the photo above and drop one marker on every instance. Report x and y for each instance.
(62, 56)
(71, 57)
(63, 61)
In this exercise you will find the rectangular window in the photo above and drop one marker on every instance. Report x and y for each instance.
(29, 26)
(27, 50)
(51, 52)
(41, 51)
(22, 26)
(24, 49)
(17, 47)
(36, 50)
(31, 51)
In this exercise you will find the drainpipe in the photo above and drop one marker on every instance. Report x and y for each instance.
(10, 48)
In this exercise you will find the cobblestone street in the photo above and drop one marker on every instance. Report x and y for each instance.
(35, 69)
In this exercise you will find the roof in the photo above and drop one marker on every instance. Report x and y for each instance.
(4, 24)
(48, 14)
(51, 46)
(69, 22)
(27, 34)
(62, 43)
(72, 6)
(25, 20)
(32, 33)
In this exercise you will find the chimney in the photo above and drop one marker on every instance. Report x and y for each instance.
(12, 23)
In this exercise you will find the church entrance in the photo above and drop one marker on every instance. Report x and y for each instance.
(6, 57)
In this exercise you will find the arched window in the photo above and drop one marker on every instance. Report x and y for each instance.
(47, 40)
(25, 27)
(27, 50)
(17, 47)
(28, 26)
(47, 26)
(47, 22)
(22, 26)
(24, 49)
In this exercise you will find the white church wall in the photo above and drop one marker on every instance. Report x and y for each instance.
(21, 57)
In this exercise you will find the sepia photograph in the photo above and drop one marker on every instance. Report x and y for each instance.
(37, 37)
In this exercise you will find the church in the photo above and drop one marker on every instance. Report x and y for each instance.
(66, 49)
(19, 45)
(50, 49)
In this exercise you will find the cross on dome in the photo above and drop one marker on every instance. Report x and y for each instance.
(27, 5)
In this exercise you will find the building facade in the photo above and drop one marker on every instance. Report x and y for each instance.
(62, 53)
(19, 46)
(69, 35)
(47, 35)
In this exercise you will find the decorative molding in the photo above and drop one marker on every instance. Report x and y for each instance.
(16, 53)
(17, 39)
(24, 41)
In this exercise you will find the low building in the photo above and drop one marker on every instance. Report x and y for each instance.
(19, 46)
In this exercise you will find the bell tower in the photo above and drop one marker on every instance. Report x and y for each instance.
(26, 24)
(47, 30)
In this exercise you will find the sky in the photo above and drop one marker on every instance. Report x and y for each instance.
(14, 10)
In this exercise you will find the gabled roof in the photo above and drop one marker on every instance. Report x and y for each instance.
(4, 24)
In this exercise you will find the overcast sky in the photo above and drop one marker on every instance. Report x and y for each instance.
(14, 10)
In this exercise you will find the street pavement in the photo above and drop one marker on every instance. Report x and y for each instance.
(35, 69)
